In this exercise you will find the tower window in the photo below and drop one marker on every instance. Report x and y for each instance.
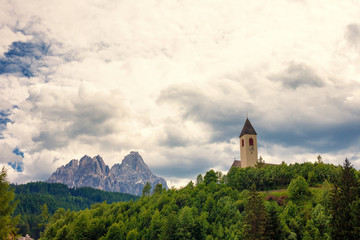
(242, 142)
(251, 142)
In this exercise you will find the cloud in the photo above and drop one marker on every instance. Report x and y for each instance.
(174, 80)
(24, 58)
(352, 34)
(212, 105)
(297, 117)
(3, 121)
(297, 75)
(314, 138)
(188, 162)
(9, 37)
(66, 115)
(11, 156)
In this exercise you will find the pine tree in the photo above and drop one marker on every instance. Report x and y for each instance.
(146, 189)
(255, 216)
(273, 226)
(7, 206)
(345, 192)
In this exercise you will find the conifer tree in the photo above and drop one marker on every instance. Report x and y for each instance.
(7, 206)
(146, 189)
(255, 216)
(343, 195)
(273, 226)
(44, 215)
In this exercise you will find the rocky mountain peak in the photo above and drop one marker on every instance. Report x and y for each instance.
(134, 161)
(129, 177)
(95, 165)
(73, 164)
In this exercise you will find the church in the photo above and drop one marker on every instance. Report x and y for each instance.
(248, 147)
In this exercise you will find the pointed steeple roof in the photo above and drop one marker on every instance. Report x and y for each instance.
(247, 129)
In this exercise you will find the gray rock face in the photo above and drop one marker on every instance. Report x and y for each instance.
(128, 177)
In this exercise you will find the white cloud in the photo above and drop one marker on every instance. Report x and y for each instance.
(174, 80)
(7, 154)
(8, 37)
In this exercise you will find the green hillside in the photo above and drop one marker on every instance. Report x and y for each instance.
(230, 207)
(38, 200)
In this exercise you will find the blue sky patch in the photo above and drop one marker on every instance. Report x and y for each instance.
(3, 121)
(18, 166)
(23, 58)
(18, 152)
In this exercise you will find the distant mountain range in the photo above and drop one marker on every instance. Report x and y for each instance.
(128, 177)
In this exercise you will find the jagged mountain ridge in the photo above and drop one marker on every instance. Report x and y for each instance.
(128, 177)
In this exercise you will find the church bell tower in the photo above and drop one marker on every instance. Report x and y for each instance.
(248, 145)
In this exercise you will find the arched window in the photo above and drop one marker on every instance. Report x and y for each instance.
(242, 142)
(251, 142)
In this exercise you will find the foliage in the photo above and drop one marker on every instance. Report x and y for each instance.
(37, 201)
(255, 216)
(214, 208)
(146, 189)
(7, 206)
(318, 227)
(270, 177)
(298, 188)
(210, 177)
(260, 163)
(344, 200)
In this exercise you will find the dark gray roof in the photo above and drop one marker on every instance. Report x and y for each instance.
(247, 129)
(236, 163)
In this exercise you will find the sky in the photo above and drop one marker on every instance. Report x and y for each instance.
(175, 80)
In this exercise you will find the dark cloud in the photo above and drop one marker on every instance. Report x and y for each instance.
(51, 139)
(88, 115)
(24, 58)
(352, 34)
(221, 115)
(326, 139)
(298, 75)
(174, 138)
(226, 121)
(91, 119)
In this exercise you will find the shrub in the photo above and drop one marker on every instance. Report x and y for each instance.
(298, 188)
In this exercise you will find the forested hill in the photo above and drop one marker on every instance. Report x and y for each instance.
(32, 196)
(230, 207)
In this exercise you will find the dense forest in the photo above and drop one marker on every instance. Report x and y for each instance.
(320, 201)
(296, 201)
(37, 201)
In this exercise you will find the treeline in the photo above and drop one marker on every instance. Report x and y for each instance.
(217, 207)
(37, 201)
(279, 176)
